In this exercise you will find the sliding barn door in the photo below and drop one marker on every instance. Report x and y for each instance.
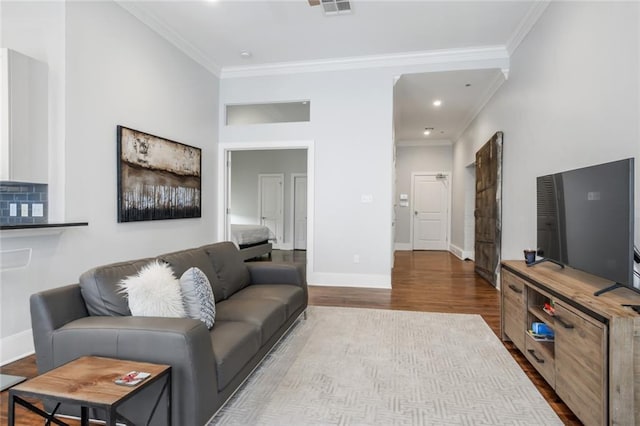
(488, 211)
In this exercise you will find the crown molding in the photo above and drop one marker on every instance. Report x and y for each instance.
(491, 90)
(164, 30)
(530, 19)
(423, 143)
(488, 53)
(498, 54)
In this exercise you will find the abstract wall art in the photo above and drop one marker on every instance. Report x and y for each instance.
(157, 177)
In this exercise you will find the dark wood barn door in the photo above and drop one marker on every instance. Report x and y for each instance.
(488, 211)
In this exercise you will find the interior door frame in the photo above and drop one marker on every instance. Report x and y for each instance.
(412, 205)
(224, 181)
(293, 206)
(279, 242)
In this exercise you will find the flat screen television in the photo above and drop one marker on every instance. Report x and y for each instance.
(585, 220)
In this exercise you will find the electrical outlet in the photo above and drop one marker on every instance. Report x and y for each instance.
(13, 209)
(356, 258)
(37, 209)
(24, 210)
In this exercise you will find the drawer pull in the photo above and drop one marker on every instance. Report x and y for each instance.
(515, 289)
(562, 323)
(533, 354)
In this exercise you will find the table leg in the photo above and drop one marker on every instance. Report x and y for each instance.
(169, 395)
(111, 417)
(12, 407)
(84, 416)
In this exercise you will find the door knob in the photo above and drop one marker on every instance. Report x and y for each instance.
(415, 213)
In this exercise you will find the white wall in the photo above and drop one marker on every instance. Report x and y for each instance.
(572, 100)
(117, 71)
(411, 159)
(351, 122)
(245, 168)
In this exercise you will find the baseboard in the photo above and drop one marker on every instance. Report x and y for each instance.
(283, 246)
(403, 246)
(459, 253)
(16, 346)
(349, 280)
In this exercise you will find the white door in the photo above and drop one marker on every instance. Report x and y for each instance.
(430, 212)
(300, 213)
(271, 198)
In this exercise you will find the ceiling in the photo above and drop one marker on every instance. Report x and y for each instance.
(291, 32)
(462, 93)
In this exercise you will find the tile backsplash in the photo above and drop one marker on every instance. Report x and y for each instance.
(23, 203)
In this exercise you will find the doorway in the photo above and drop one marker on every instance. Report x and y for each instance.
(236, 207)
(430, 220)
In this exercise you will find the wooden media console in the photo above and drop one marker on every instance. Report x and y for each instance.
(593, 360)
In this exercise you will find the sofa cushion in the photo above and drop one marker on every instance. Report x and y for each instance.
(267, 315)
(182, 260)
(154, 292)
(234, 343)
(197, 296)
(292, 296)
(229, 266)
(100, 291)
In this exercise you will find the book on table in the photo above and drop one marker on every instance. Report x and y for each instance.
(132, 378)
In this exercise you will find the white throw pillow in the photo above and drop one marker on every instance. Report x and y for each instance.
(197, 296)
(154, 292)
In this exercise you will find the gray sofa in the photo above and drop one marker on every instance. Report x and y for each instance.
(256, 303)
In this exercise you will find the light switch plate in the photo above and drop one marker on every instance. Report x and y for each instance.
(24, 210)
(366, 198)
(404, 196)
(37, 209)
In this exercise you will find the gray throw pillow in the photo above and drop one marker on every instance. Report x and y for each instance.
(197, 296)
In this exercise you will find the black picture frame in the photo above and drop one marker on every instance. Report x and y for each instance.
(157, 178)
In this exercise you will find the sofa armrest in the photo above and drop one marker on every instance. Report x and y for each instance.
(277, 273)
(183, 343)
(50, 310)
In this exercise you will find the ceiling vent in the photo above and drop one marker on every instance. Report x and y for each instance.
(333, 7)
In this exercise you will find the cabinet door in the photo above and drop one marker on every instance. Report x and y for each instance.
(540, 355)
(581, 360)
(513, 309)
(23, 118)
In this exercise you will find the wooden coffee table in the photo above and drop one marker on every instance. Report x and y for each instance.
(89, 383)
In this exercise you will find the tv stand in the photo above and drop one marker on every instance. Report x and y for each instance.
(593, 363)
(611, 287)
(537, 262)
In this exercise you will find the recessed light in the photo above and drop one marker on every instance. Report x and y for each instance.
(428, 130)
(245, 54)
(437, 102)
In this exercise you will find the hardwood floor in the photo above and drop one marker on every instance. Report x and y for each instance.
(439, 282)
(421, 281)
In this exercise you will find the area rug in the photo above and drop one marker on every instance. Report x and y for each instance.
(349, 366)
